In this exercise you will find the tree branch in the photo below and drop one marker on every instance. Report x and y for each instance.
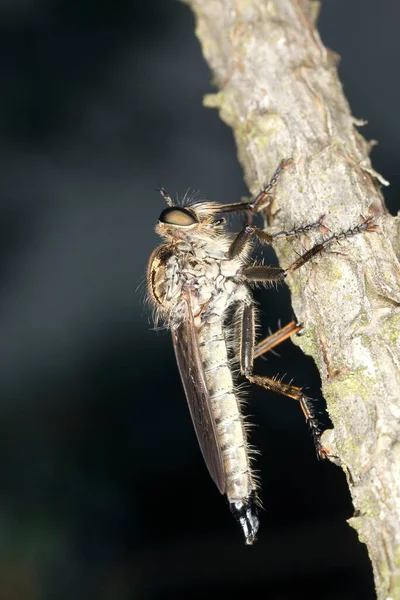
(280, 93)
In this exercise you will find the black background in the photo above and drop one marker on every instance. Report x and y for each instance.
(103, 492)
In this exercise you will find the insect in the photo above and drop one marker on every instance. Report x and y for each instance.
(199, 282)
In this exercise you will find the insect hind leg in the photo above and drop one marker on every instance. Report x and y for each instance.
(305, 404)
(268, 343)
(247, 353)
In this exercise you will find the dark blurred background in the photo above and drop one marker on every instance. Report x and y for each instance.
(103, 491)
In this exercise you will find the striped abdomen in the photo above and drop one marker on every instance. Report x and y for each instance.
(226, 411)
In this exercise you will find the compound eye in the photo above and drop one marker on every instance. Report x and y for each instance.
(180, 217)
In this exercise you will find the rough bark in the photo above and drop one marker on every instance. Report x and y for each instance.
(279, 91)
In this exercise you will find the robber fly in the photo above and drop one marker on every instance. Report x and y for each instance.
(199, 283)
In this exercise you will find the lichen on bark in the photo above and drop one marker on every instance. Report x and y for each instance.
(279, 90)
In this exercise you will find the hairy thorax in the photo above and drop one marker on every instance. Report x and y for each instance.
(212, 281)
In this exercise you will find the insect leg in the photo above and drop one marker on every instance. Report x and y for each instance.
(276, 338)
(317, 225)
(264, 274)
(366, 225)
(275, 274)
(260, 201)
(243, 238)
(246, 366)
(305, 404)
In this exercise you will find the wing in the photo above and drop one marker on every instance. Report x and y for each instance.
(198, 398)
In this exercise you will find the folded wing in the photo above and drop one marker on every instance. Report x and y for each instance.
(192, 374)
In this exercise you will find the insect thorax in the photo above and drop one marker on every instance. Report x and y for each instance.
(211, 281)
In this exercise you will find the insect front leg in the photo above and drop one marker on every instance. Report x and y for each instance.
(261, 200)
(247, 352)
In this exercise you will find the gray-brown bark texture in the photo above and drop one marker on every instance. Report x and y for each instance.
(279, 91)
